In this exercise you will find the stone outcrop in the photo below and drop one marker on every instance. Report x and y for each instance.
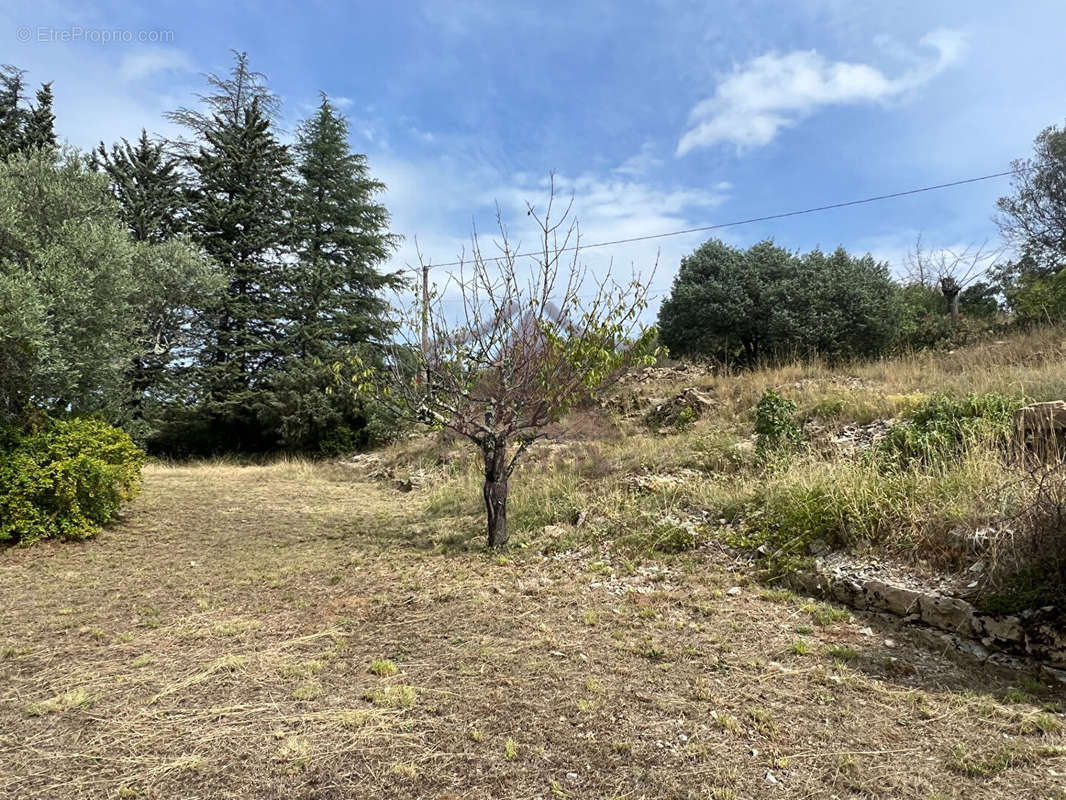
(685, 407)
(1040, 430)
(1036, 634)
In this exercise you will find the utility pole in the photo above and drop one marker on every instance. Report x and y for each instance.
(425, 318)
(425, 312)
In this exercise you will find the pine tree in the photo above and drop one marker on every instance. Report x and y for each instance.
(12, 115)
(342, 236)
(152, 203)
(40, 122)
(239, 216)
(23, 129)
(228, 98)
(148, 186)
(333, 291)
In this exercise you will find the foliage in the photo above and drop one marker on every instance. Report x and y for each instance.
(342, 235)
(298, 237)
(147, 184)
(980, 300)
(24, 129)
(775, 423)
(239, 217)
(925, 323)
(944, 427)
(314, 418)
(765, 302)
(65, 479)
(1027, 565)
(527, 349)
(78, 298)
(1037, 299)
(1033, 217)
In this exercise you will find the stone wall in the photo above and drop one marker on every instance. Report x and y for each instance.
(1034, 634)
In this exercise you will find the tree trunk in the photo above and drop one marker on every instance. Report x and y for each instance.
(950, 288)
(953, 304)
(495, 492)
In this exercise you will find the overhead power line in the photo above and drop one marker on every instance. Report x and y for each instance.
(750, 220)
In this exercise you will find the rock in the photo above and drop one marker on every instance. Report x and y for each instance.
(947, 613)
(684, 408)
(734, 591)
(863, 437)
(818, 547)
(894, 599)
(995, 629)
(1047, 642)
(848, 592)
(411, 482)
(1040, 430)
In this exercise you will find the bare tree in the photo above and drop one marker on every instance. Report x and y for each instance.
(513, 345)
(950, 271)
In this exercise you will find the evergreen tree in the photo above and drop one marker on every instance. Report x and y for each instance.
(341, 235)
(148, 187)
(333, 292)
(22, 128)
(12, 114)
(239, 216)
(40, 122)
(228, 97)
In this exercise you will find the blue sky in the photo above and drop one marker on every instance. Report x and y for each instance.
(657, 115)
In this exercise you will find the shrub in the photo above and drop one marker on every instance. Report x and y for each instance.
(1039, 298)
(765, 302)
(775, 424)
(65, 479)
(1027, 559)
(943, 427)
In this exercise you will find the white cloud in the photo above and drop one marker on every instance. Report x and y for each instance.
(775, 91)
(641, 163)
(607, 206)
(144, 63)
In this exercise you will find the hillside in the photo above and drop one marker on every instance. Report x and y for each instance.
(336, 630)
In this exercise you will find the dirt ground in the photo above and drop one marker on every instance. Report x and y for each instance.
(294, 631)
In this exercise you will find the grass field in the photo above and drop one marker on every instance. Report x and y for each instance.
(301, 631)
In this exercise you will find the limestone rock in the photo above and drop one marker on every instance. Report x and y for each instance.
(947, 613)
(896, 599)
(998, 629)
(687, 406)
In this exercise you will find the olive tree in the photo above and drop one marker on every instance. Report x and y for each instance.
(79, 299)
(510, 345)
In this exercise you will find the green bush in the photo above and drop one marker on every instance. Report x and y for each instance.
(767, 303)
(1037, 299)
(775, 424)
(65, 479)
(943, 427)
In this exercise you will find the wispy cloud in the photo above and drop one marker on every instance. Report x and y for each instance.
(144, 63)
(775, 91)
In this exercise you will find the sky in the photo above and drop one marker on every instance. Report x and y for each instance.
(656, 115)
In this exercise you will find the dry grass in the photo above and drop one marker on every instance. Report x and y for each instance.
(296, 631)
(302, 630)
